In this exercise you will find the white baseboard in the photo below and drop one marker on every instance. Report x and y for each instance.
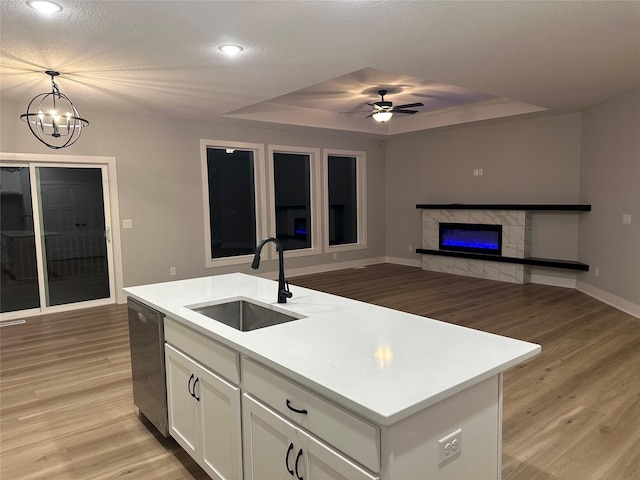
(328, 267)
(561, 279)
(606, 297)
(407, 262)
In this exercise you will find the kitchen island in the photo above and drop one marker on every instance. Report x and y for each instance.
(348, 390)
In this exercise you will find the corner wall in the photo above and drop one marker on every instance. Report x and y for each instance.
(610, 180)
(526, 160)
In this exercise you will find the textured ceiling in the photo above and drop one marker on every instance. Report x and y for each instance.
(316, 63)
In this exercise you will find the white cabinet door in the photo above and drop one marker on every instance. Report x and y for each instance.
(183, 409)
(320, 462)
(276, 449)
(269, 443)
(204, 415)
(220, 426)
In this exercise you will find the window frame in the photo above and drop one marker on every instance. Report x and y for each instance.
(259, 198)
(361, 198)
(314, 197)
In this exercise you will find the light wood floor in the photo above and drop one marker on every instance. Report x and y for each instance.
(571, 413)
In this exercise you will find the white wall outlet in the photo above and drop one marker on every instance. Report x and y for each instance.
(475, 172)
(411, 248)
(480, 172)
(127, 223)
(596, 271)
(172, 271)
(450, 446)
(626, 218)
(335, 256)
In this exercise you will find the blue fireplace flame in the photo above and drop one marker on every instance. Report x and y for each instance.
(472, 238)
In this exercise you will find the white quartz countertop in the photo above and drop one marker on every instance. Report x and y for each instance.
(380, 363)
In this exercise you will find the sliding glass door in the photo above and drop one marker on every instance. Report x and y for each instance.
(19, 289)
(55, 237)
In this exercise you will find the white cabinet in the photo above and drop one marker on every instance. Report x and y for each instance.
(337, 427)
(204, 415)
(276, 448)
(245, 421)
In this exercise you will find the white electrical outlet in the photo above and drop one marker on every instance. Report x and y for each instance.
(449, 446)
(335, 256)
(597, 272)
(411, 248)
(172, 271)
(480, 172)
(475, 172)
(127, 223)
(626, 218)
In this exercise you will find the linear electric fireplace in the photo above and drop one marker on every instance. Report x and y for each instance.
(471, 238)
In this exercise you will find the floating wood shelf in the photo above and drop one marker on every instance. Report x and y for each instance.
(538, 262)
(505, 206)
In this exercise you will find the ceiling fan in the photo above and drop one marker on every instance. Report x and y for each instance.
(384, 110)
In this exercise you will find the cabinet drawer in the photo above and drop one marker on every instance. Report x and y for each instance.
(209, 353)
(345, 431)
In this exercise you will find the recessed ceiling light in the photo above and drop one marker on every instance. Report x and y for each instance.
(44, 6)
(230, 49)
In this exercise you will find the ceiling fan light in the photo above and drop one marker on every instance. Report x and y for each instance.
(382, 116)
(45, 7)
(230, 49)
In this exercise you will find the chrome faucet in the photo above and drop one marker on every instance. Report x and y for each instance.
(283, 285)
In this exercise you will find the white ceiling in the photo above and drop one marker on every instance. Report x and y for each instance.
(314, 63)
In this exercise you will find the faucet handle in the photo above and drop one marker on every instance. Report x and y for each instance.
(285, 291)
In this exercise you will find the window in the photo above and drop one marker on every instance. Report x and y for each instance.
(345, 205)
(232, 196)
(295, 219)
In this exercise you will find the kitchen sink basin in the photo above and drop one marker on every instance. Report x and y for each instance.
(244, 315)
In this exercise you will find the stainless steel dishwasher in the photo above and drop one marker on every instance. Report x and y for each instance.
(146, 336)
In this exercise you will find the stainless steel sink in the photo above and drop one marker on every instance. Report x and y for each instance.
(244, 315)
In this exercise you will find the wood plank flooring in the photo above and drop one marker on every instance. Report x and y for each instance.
(571, 413)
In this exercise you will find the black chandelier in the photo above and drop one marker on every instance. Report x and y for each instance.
(53, 119)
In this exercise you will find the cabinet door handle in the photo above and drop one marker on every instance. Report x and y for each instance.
(189, 388)
(297, 460)
(194, 389)
(286, 459)
(304, 412)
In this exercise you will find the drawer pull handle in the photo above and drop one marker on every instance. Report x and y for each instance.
(297, 460)
(304, 412)
(194, 389)
(286, 459)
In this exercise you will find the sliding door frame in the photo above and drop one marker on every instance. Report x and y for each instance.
(112, 216)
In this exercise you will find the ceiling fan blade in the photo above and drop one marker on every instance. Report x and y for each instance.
(359, 111)
(410, 105)
(411, 112)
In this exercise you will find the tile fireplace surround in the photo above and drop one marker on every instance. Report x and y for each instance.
(516, 240)
(516, 243)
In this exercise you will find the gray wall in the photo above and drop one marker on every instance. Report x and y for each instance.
(160, 186)
(590, 157)
(529, 160)
(610, 180)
